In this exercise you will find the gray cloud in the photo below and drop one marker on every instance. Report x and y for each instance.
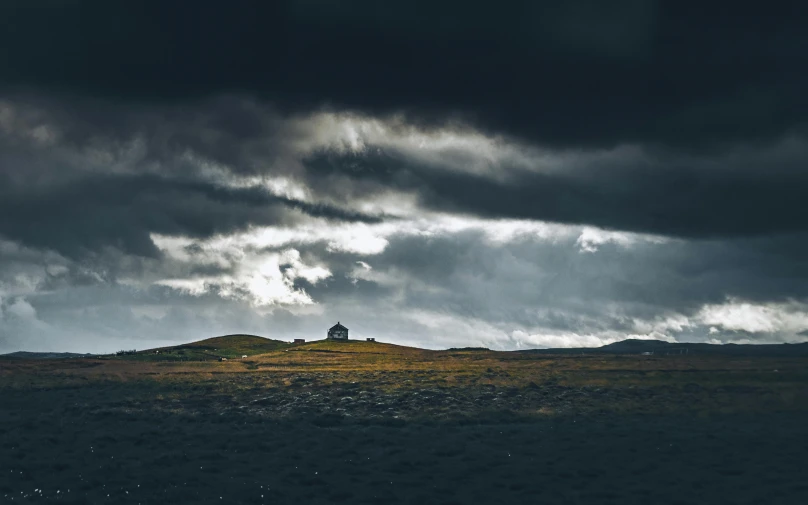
(555, 284)
(551, 173)
(714, 195)
(196, 152)
(121, 211)
(560, 73)
(465, 288)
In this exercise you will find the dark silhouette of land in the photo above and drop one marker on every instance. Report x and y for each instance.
(658, 347)
(372, 422)
(43, 355)
(232, 345)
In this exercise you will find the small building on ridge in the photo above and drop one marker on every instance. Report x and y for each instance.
(338, 332)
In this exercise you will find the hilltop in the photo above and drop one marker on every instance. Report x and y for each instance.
(236, 346)
(226, 346)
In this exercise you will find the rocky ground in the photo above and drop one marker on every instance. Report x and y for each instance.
(353, 401)
(325, 397)
(443, 428)
(84, 446)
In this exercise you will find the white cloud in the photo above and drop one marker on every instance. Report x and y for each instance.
(251, 262)
(358, 238)
(564, 340)
(571, 339)
(261, 278)
(454, 146)
(786, 319)
(664, 324)
(591, 238)
(22, 309)
(457, 330)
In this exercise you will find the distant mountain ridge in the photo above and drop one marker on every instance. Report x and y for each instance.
(45, 355)
(659, 347)
(234, 346)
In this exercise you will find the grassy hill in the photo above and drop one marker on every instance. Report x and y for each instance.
(236, 346)
(227, 346)
(357, 346)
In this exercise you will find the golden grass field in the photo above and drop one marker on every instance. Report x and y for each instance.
(376, 423)
(576, 383)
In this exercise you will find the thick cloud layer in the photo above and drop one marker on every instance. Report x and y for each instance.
(536, 174)
(565, 73)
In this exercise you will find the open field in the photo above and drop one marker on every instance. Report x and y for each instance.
(361, 422)
(403, 383)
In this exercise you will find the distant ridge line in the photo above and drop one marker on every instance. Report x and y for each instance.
(239, 344)
(46, 355)
(660, 347)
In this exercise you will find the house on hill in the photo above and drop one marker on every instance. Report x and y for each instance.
(338, 332)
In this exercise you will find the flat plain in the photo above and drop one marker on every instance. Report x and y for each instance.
(371, 422)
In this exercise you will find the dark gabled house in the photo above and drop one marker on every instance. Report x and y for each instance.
(338, 332)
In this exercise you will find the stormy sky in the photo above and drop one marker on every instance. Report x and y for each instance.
(500, 174)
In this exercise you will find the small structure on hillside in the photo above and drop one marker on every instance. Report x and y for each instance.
(299, 341)
(370, 339)
(338, 332)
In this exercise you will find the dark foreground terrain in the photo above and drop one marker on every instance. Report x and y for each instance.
(371, 423)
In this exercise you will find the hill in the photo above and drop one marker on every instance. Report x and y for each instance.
(358, 346)
(659, 347)
(226, 346)
(238, 345)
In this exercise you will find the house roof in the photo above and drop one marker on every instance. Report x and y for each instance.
(337, 327)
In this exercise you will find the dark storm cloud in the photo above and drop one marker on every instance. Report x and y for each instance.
(119, 120)
(566, 73)
(675, 201)
(90, 214)
(228, 129)
(669, 194)
(740, 190)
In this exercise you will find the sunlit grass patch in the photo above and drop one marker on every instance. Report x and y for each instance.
(458, 382)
